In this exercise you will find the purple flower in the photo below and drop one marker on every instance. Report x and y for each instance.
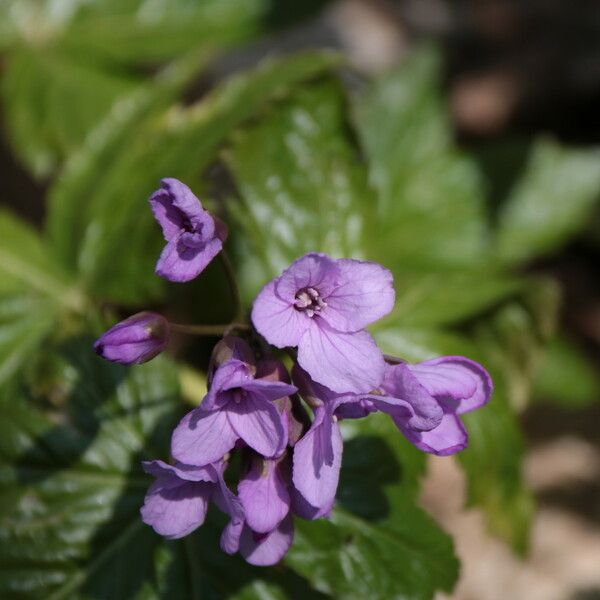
(263, 492)
(177, 501)
(318, 455)
(322, 305)
(237, 406)
(135, 340)
(426, 399)
(260, 549)
(194, 237)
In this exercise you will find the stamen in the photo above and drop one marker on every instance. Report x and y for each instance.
(309, 301)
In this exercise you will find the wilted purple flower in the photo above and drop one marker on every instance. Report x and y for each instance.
(135, 340)
(322, 305)
(194, 237)
(426, 399)
(237, 406)
(177, 501)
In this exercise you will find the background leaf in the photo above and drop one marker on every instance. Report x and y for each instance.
(429, 196)
(550, 202)
(119, 240)
(300, 182)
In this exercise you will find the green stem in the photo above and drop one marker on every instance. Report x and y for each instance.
(233, 286)
(209, 329)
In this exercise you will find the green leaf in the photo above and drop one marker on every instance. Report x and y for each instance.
(25, 322)
(63, 75)
(430, 200)
(67, 212)
(376, 524)
(25, 264)
(300, 184)
(71, 486)
(493, 463)
(403, 556)
(52, 100)
(34, 292)
(430, 299)
(416, 344)
(567, 376)
(120, 241)
(550, 202)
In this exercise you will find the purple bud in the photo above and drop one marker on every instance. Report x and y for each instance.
(135, 340)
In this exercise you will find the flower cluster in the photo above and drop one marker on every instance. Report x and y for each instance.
(317, 309)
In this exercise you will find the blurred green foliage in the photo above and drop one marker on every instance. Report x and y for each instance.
(92, 97)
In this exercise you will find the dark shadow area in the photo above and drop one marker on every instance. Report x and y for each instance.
(368, 465)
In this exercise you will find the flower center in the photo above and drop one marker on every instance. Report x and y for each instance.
(309, 301)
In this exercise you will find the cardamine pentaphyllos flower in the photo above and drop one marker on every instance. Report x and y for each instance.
(322, 305)
(238, 406)
(194, 236)
(458, 384)
(135, 340)
(176, 503)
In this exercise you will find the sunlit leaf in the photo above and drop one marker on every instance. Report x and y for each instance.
(550, 202)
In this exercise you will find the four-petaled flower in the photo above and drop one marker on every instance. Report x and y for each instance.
(194, 237)
(237, 406)
(322, 305)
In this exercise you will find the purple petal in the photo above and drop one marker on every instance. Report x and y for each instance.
(264, 496)
(230, 538)
(176, 511)
(317, 461)
(312, 270)
(365, 293)
(344, 362)
(459, 383)
(305, 510)
(180, 262)
(259, 424)
(188, 205)
(135, 340)
(202, 437)
(449, 437)
(277, 320)
(158, 468)
(267, 549)
(400, 383)
(228, 376)
(268, 390)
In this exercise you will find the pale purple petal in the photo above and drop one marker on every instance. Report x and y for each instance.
(259, 424)
(268, 390)
(312, 270)
(161, 469)
(344, 362)
(264, 496)
(202, 437)
(449, 437)
(365, 293)
(187, 203)
(267, 549)
(175, 511)
(277, 320)
(180, 262)
(230, 538)
(317, 460)
(400, 383)
(307, 511)
(459, 383)
(230, 375)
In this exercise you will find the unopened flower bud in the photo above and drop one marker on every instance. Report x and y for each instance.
(135, 340)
